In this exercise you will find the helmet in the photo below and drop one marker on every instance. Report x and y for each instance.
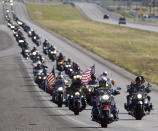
(34, 48)
(69, 60)
(103, 82)
(138, 80)
(60, 76)
(105, 73)
(60, 54)
(93, 77)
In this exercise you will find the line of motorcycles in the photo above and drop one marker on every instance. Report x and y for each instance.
(103, 103)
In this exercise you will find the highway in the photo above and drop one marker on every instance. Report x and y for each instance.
(25, 106)
(95, 12)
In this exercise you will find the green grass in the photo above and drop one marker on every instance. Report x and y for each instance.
(135, 50)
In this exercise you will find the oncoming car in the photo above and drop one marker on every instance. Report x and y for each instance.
(122, 20)
(106, 16)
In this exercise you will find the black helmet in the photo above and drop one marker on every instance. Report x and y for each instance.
(60, 54)
(93, 77)
(34, 48)
(138, 80)
(69, 60)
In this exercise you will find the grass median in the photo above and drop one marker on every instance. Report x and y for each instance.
(134, 50)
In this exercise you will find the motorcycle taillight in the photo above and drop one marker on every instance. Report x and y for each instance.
(106, 107)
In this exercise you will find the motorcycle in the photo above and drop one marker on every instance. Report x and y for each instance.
(52, 54)
(103, 113)
(45, 50)
(77, 102)
(67, 68)
(59, 95)
(139, 105)
(33, 55)
(36, 40)
(60, 65)
(25, 53)
(40, 79)
(89, 94)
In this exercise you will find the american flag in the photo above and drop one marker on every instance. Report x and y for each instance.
(51, 81)
(86, 76)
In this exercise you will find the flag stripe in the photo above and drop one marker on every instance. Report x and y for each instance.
(86, 76)
(50, 81)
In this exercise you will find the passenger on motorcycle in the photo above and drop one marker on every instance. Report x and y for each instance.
(138, 85)
(103, 84)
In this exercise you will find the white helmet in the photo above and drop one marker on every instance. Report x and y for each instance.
(105, 73)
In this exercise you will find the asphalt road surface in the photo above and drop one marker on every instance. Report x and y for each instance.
(26, 107)
(96, 13)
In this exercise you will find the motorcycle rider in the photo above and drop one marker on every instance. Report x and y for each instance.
(45, 43)
(60, 79)
(75, 85)
(75, 67)
(60, 57)
(104, 74)
(34, 49)
(138, 85)
(93, 80)
(103, 84)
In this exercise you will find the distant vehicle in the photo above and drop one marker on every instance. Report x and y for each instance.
(106, 16)
(122, 20)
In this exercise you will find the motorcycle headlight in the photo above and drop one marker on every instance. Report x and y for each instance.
(105, 97)
(12, 27)
(44, 77)
(66, 66)
(74, 77)
(34, 37)
(139, 96)
(44, 47)
(70, 69)
(34, 53)
(39, 77)
(77, 93)
(19, 23)
(39, 73)
(78, 76)
(21, 41)
(60, 89)
(89, 89)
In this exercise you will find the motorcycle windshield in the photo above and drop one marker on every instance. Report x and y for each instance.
(38, 70)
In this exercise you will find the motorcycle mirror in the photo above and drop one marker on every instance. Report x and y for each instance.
(118, 88)
(128, 87)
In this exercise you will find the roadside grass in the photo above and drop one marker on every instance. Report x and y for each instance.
(134, 50)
